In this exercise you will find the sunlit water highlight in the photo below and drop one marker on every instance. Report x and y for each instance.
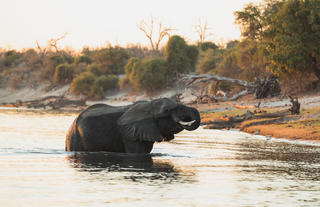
(200, 168)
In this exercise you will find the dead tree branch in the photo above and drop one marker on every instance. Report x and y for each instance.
(54, 41)
(261, 89)
(148, 30)
(202, 30)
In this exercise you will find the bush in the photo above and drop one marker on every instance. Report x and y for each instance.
(180, 57)
(107, 82)
(204, 46)
(111, 60)
(132, 71)
(103, 83)
(210, 60)
(94, 69)
(149, 74)
(56, 60)
(154, 75)
(11, 57)
(82, 83)
(63, 74)
(83, 59)
(60, 58)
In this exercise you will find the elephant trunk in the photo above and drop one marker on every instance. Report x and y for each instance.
(187, 117)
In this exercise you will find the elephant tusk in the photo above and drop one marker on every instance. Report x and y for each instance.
(188, 123)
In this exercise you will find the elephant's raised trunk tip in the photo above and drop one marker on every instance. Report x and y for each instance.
(188, 118)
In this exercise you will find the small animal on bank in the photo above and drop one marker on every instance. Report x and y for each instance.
(132, 129)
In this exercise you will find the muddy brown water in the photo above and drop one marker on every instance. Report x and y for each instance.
(199, 168)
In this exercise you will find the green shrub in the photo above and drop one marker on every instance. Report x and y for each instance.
(103, 83)
(11, 57)
(209, 61)
(154, 75)
(60, 58)
(148, 74)
(132, 70)
(107, 82)
(83, 83)
(63, 74)
(180, 57)
(204, 46)
(94, 69)
(83, 59)
(111, 60)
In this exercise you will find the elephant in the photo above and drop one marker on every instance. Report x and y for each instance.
(130, 129)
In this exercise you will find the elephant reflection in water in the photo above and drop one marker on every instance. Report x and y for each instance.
(141, 167)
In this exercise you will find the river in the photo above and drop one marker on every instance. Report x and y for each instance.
(199, 168)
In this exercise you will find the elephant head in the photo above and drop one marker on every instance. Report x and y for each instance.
(157, 120)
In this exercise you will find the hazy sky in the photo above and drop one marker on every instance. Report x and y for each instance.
(95, 22)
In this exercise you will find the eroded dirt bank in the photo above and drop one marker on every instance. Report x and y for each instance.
(269, 118)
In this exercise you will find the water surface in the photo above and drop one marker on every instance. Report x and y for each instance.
(199, 168)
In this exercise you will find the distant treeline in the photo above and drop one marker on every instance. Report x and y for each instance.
(279, 37)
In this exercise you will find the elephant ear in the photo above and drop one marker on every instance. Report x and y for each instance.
(138, 122)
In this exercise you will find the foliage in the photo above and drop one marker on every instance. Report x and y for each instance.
(180, 57)
(58, 58)
(63, 74)
(132, 70)
(293, 38)
(11, 57)
(32, 58)
(250, 56)
(229, 66)
(94, 69)
(209, 61)
(111, 60)
(204, 46)
(107, 82)
(232, 44)
(103, 83)
(82, 83)
(83, 59)
(148, 74)
(251, 21)
(153, 75)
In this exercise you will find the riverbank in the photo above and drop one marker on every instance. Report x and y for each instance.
(270, 117)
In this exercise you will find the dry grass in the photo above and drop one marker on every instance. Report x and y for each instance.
(307, 127)
(304, 130)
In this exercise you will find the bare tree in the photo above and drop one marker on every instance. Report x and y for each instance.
(148, 30)
(202, 30)
(54, 41)
(42, 50)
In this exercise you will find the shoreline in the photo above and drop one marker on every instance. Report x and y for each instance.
(270, 121)
(305, 126)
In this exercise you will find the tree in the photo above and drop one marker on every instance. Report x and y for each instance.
(148, 74)
(54, 41)
(202, 30)
(154, 75)
(111, 60)
(210, 60)
(250, 58)
(204, 46)
(180, 57)
(250, 21)
(149, 29)
(63, 74)
(82, 83)
(293, 38)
